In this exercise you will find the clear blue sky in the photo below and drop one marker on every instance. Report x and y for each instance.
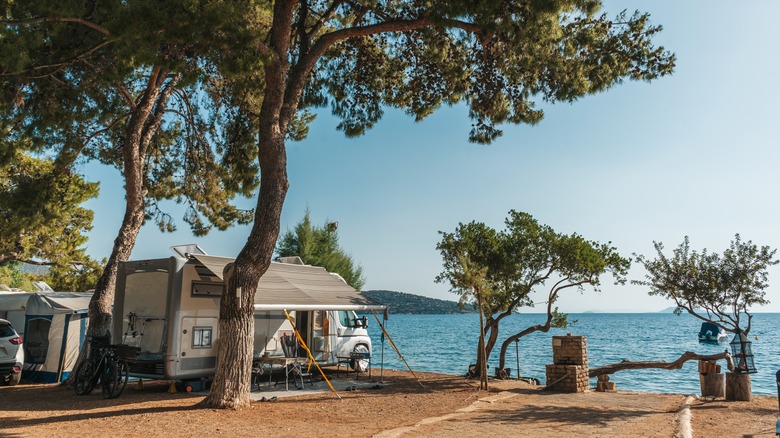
(692, 154)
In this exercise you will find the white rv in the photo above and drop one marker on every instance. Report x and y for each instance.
(169, 309)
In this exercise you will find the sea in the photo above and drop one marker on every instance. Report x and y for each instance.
(448, 344)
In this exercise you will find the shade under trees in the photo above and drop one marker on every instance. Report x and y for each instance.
(721, 289)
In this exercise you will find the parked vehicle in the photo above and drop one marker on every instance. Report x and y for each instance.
(11, 354)
(168, 309)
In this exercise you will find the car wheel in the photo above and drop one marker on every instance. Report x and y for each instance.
(15, 379)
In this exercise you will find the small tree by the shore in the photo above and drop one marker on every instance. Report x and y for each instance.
(720, 289)
(516, 261)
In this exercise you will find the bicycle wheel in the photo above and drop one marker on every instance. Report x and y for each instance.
(124, 375)
(111, 377)
(115, 375)
(85, 377)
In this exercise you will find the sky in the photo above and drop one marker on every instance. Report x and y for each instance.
(693, 154)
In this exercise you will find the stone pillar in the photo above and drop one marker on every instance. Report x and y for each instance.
(569, 372)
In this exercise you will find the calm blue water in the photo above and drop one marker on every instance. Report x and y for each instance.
(447, 344)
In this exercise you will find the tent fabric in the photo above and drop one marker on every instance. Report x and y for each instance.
(298, 287)
(51, 303)
(68, 315)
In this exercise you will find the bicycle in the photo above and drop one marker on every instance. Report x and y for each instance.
(101, 364)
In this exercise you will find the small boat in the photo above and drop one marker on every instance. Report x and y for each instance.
(711, 333)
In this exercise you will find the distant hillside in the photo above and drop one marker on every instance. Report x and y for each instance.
(400, 302)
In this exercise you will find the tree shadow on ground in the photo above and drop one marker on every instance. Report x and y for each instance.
(26, 397)
(564, 416)
(12, 422)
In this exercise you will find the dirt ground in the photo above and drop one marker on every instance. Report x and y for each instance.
(720, 418)
(447, 405)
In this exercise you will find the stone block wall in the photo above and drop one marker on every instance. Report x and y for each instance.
(569, 372)
(567, 378)
(570, 350)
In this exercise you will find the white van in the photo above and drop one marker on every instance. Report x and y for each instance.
(169, 310)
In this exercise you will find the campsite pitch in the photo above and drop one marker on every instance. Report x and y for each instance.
(446, 405)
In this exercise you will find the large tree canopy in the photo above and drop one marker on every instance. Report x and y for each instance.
(127, 84)
(514, 262)
(319, 246)
(131, 84)
(721, 289)
(500, 58)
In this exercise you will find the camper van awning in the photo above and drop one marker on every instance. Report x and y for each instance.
(298, 287)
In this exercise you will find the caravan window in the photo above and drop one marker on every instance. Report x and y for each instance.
(201, 337)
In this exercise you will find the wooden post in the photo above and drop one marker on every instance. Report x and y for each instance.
(713, 385)
(738, 387)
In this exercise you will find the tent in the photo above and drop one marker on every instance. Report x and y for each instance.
(54, 331)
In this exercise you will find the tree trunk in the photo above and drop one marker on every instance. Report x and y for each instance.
(713, 385)
(676, 365)
(738, 387)
(482, 361)
(486, 343)
(141, 127)
(231, 385)
(535, 328)
(232, 380)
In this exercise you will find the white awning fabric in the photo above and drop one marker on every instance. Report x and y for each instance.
(298, 287)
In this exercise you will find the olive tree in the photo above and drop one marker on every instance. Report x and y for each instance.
(524, 257)
(716, 288)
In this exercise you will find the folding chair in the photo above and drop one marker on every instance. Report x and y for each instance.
(290, 350)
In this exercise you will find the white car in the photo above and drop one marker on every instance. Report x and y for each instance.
(11, 354)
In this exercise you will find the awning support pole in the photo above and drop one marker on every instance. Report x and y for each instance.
(382, 364)
(308, 352)
(392, 344)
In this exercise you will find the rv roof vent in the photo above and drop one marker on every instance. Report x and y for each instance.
(293, 260)
(186, 250)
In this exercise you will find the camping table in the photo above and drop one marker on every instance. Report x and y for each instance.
(270, 361)
(347, 360)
